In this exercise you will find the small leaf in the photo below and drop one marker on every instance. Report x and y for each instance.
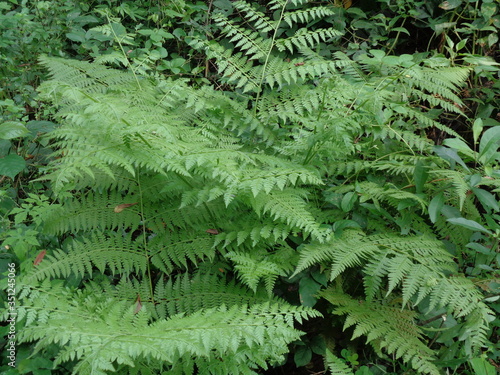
(435, 206)
(469, 224)
(462, 44)
(123, 206)
(477, 128)
(11, 165)
(212, 231)
(450, 4)
(39, 257)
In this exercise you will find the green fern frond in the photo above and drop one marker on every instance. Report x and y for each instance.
(307, 15)
(386, 328)
(391, 195)
(259, 20)
(457, 182)
(111, 333)
(251, 231)
(260, 264)
(335, 365)
(250, 42)
(169, 251)
(188, 294)
(305, 38)
(94, 80)
(116, 254)
(93, 211)
(289, 207)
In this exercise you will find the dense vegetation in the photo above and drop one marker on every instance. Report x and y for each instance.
(232, 187)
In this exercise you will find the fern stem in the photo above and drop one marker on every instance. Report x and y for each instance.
(144, 237)
(266, 62)
(124, 54)
(396, 38)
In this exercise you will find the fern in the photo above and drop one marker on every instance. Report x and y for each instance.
(385, 327)
(422, 267)
(111, 334)
(336, 365)
(157, 192)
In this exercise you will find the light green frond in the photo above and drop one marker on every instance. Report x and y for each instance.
(386, 328)
(335, 365)
(289, 207)
(116, 254)
(110, 329)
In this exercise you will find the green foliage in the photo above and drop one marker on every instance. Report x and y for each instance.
(283, 161)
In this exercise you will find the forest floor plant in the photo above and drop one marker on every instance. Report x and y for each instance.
(204, 225)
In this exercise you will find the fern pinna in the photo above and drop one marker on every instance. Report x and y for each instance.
(180, 208)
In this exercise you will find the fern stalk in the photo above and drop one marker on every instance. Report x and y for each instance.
(268, 55)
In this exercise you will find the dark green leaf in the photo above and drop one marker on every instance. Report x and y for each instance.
(302, 356)
(469, 224)
(308, 289)
(11, 165)
(487, 199)
(450, 155)
(488, 145)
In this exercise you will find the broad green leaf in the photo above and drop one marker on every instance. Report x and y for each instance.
(460, 146)
(302, 356)
(492, 39)
(348, 201)
(488, 10)
(12, 129)
(480, 248)
(462, 44)
(339, 226)
(477, 128)
(440, 27)
(450, 155)
(76, 37)
(318, 345)
(487, 199)
(308, 288)
(482, 367)
(11, 165)
(401, 29)
(469, 224)
(488, 146)
(40, 126)
(435, 206)
(320, 277)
